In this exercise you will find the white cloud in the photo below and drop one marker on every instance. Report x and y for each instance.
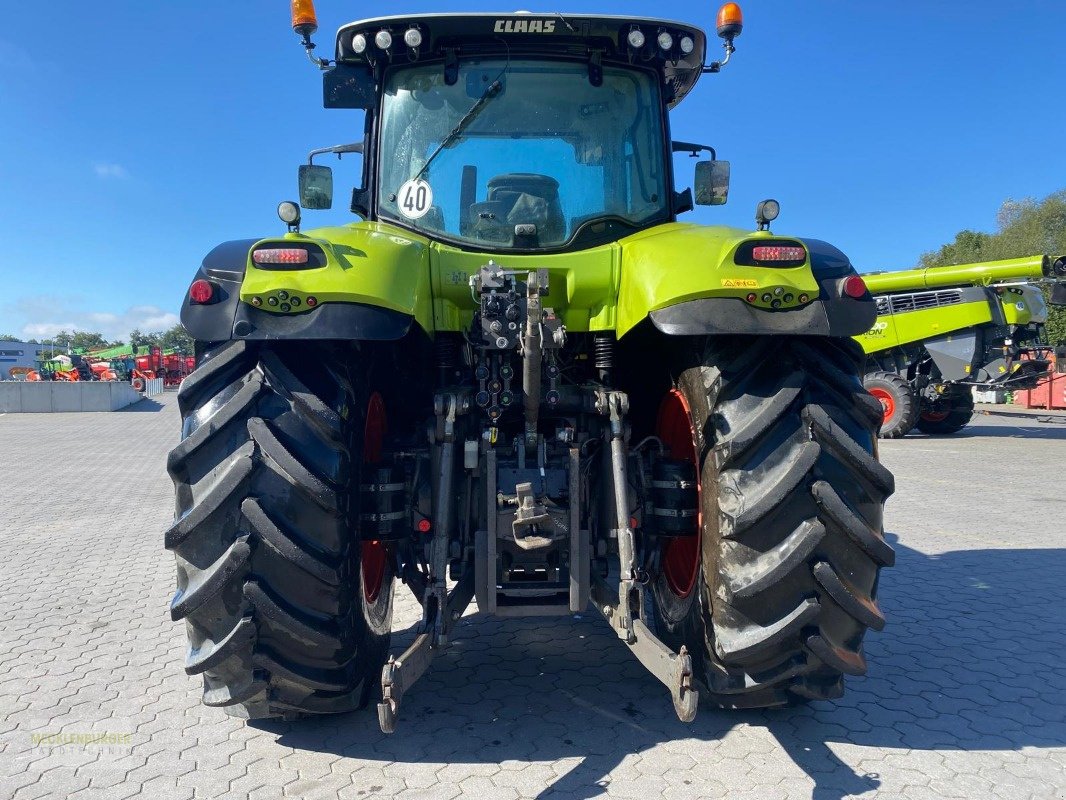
(43, 317)
(46, 330)
(108, 171)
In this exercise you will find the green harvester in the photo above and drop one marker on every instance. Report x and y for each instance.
(942, 332)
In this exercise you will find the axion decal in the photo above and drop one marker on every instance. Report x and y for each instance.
(525, 26)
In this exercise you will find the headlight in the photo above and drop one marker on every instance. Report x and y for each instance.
(413, 37)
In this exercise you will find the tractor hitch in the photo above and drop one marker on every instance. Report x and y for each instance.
(674, 670)
(440, 608)
(400, 674)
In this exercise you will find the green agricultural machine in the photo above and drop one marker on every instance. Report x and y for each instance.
(943, 331)
(517, 377)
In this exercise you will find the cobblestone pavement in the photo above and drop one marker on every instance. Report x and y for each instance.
(966, 695)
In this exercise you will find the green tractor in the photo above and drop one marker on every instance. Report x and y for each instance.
(943, 331)
(518, 377)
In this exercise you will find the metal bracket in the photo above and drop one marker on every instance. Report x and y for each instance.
(674, 670)
(580, 572)
(615, 405)
(400, 674)
(530, 519)
(448, 407)
(439, 609)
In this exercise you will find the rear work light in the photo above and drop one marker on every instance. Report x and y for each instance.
(280, 255)
(774, 253)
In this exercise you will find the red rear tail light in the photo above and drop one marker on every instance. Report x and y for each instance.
(280, 255)
(775, 253)
(201, 292)
(854, 286)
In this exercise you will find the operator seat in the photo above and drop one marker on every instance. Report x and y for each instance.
(519, 199)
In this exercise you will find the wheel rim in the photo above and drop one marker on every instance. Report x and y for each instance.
(935, 416)
(888, 402)
(374, 556)
(680, 555)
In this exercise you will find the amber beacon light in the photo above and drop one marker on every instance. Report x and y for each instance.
(730, 21)
(305, 23)
(304, 20)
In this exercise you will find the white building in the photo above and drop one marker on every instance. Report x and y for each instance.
(22, 354)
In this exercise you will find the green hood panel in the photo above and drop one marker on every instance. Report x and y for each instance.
(583, 285)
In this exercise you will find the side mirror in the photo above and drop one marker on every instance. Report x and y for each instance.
(712, 183)
(316, 187)
(1058, 294)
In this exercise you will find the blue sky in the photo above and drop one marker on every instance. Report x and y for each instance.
(136, 135)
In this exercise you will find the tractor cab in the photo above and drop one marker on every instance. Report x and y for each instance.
(519, 132)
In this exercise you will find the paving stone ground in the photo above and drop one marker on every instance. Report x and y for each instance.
(966, 695)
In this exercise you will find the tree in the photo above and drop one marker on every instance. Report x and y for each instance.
(142, 341)
(83, 340)
(177, 339)
(1025, 228)
(7, 337)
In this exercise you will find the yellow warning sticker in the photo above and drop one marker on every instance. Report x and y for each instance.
(740, 283)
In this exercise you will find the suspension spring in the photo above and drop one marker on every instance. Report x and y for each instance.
(603, 355)
(446, 354)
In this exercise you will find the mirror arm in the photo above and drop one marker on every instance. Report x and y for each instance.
(339, 149)
(693, 149)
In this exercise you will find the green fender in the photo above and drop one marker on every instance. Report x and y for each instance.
(687, 280)
(377, 281)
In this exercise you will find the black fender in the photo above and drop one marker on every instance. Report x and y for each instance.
(832, 314)
(226, 317)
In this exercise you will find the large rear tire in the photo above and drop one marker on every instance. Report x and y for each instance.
(283, 616)
(791, 498)
(898, 400)
(956, 414)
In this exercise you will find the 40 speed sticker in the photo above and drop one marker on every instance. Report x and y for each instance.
(415, 199)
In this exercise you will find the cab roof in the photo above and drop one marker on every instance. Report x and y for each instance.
(594, 37)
